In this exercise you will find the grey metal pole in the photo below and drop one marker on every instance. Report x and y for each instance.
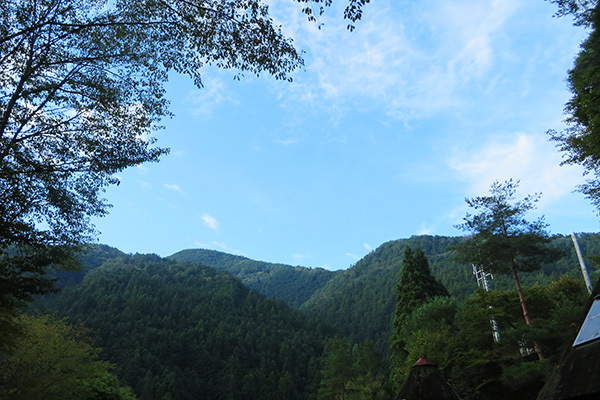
(586, 276)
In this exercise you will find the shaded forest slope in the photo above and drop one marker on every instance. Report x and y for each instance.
(359, 302)
(294, 285)
(188, 331)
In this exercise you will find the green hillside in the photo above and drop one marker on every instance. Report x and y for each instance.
(93, 257)
(294, 285)
(176, 328)
(360, 302)
(182, 331)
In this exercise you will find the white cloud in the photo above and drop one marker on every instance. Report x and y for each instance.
(328, 267)
(206, 100)
(472, 25)
(298, 258)
(356, 257)
(474, 58)
(218, 246)
(426, 229)
(287, 142)
(210, 221)
(173, 187)
(526, 157)
(409, 60)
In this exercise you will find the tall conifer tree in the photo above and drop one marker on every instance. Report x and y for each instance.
(416, 287)
(503, 241)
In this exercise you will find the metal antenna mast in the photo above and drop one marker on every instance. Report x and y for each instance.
(481, 276)
(584, 271)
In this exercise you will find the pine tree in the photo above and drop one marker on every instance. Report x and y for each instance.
(338, 369)
(416, 287)
(503, 241)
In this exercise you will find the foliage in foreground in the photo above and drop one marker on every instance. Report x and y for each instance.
(352, 372)
(416, 287)
(503, 241)
(459, 338)
(53, 360)
(580, 140)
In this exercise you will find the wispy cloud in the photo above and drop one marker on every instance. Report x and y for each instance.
(215, 245)
(298, 257)
(287, 142)
(173, 187)
(206, 100)
(409, 60)
(469, 29)
(529, 158)
(220, 245)
(210, 221)
(426, 229)
(357, 257)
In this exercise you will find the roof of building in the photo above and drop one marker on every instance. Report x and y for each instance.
(426, 382)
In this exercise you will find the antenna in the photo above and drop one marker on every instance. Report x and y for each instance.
(481, 276)
(584, 271)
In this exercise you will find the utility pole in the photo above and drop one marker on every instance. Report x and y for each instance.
(586, 276)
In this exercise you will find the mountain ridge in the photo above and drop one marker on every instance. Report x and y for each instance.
(359, 302)
(294, 285)
(159, 318)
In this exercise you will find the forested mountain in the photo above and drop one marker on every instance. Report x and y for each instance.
(359, 302)
(176, 330)
(294, 285)
(93, 257)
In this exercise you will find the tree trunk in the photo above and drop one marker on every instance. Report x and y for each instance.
(525, 312)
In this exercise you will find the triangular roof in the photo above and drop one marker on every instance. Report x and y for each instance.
(578, 376)
(425, 382)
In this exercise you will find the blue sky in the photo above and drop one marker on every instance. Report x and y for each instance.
(381, 136)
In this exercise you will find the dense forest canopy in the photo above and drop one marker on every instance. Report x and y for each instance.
(294, 285)
(360, 301)
(54, 360)
(186, 331)
(152, 316)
